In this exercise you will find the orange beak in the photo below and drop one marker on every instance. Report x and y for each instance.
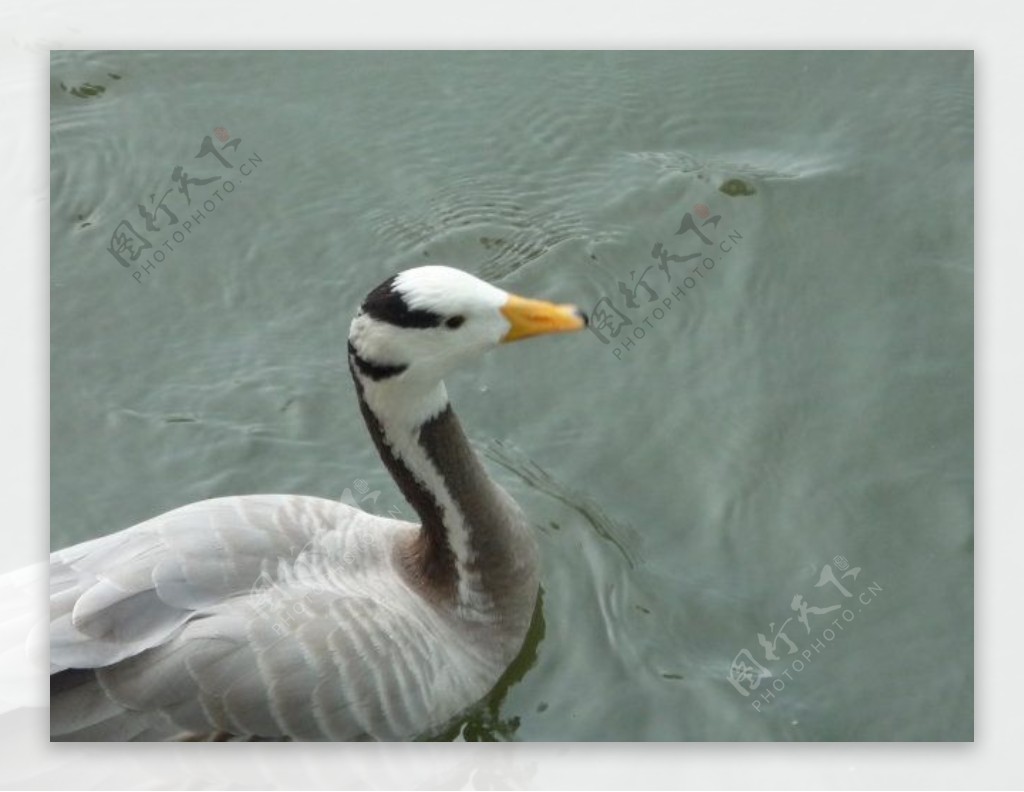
(536, 317)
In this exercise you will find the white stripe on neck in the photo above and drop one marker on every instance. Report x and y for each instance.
(402, 409)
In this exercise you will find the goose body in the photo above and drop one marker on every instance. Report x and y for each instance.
(293, 617)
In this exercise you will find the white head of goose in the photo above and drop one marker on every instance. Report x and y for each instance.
(293, 617)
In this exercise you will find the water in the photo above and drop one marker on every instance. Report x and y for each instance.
(804, 401)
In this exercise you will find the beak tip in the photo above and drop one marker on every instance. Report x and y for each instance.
(529, 318)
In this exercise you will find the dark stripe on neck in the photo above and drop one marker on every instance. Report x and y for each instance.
(489, 520)
(374, 371)
(386, 304)
(431, 559)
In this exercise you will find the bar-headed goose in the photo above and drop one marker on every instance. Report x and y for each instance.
(293, 617)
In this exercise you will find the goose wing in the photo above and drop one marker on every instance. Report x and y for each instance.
(261, 616)
(115, 596)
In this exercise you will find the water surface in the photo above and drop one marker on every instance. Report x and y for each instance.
(796, 410)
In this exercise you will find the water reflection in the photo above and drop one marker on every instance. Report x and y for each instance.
(485, 722)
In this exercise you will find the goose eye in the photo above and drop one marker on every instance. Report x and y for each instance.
(454, 322)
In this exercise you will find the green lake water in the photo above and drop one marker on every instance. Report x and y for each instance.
(778, 251)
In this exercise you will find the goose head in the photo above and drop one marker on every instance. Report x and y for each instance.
(417, 326)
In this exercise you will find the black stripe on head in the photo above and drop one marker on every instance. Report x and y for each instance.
(385, 304)
(374, 371)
